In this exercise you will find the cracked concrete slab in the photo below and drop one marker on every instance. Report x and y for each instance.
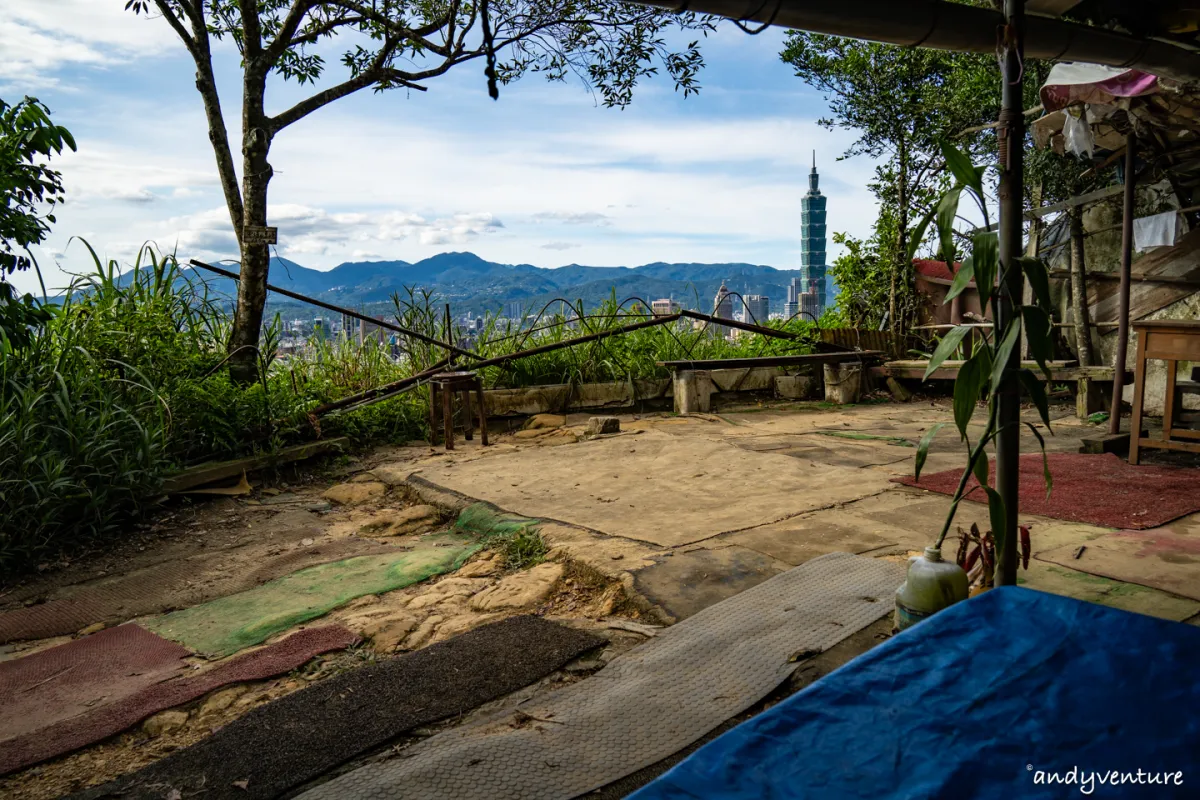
(692, 580)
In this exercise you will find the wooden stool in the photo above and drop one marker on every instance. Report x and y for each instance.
(441, 396)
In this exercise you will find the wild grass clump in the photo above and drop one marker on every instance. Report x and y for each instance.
(523, 549)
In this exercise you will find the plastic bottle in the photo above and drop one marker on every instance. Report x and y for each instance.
(931, 585)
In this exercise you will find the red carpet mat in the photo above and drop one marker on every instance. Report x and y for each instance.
(62, 682)
(102, 721)
(1097, 489)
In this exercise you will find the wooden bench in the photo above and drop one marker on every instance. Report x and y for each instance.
(1089, 398)
(693, 388)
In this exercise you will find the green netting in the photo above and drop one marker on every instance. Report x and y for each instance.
(224, 626)
(486, 522)
(896, 440)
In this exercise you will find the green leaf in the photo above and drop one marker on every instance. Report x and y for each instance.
(966, 391)
(1039, 280)
(1037, 393)
(918, 235)
(1003, 352)
(947, 210)
(1046, 477)
(923, 448)
(946, 348)
(1038, 331)
(961, 167)
(996, 512)
(981, 469)
(962, 278)
(985, 252)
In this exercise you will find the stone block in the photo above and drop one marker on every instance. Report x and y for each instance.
(599, 425)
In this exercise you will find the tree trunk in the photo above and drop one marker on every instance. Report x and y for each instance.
(898, 265)
(1079, 304)
(255, 258)
(1031, 251)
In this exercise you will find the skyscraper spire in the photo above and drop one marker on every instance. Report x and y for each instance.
(811, 291)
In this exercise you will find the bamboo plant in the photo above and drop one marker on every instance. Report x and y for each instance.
(980, 377)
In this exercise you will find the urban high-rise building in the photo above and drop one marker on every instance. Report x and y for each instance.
(723, 308)
(664, 307)
(757, 308)
(812, 244)
(792, 307)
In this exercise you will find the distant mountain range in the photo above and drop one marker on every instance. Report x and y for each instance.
(469, 283)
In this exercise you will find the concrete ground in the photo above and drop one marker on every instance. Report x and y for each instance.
(688, 510)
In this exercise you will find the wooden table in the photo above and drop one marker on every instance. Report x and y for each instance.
(1171, 341)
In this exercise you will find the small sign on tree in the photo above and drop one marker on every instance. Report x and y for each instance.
(260, 234)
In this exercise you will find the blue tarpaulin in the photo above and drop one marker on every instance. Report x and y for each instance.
(1014, 693)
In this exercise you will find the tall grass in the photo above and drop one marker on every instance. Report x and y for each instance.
(126, 383)
(632, 355)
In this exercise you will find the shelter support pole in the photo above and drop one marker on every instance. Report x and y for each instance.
(1114, 417)
(1011, 131)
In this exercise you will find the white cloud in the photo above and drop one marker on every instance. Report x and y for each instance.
(559, 246)
(308, 231)
(573, 217)
(39, 37)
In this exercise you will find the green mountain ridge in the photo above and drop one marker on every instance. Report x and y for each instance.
(470, 283)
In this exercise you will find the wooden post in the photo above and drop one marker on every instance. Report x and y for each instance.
(483, 439)
(433, 414)
(468, 420)
(1011, 132)
(1114, 418)
(1139, 396)
(448, 416)
(1079, 303)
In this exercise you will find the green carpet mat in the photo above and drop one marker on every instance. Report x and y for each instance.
(229, 624)
(486, 522)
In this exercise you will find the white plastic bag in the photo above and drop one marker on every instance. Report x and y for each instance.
(1077, 134)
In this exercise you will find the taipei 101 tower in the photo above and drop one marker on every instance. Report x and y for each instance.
(811, 291)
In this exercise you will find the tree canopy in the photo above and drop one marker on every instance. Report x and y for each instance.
(393, 44)
(29, 192)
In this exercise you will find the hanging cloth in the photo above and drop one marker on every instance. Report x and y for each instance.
(1155, 231)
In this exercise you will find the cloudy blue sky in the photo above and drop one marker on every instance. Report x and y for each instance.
(545, 176)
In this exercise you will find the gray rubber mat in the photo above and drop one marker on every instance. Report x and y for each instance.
(305, 734)
(648, 703)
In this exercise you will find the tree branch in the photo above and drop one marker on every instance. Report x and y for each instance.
(251, 31)
(218, 135)
(287, 30)
(176, 25)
